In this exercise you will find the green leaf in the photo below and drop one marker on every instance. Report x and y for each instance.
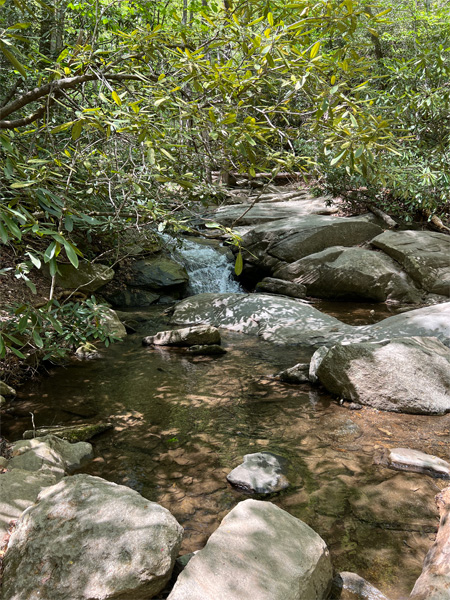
(116, 98)
(239, 265)
(71, 254)
(37, 339)
(68, 223)
(77, 129)
(50, 252)
(13, 60)
(336, 159)
(270, 19)
(314, 50)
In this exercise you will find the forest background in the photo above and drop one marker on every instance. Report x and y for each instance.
(115, 114)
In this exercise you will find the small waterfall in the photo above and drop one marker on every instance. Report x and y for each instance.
(209, 268)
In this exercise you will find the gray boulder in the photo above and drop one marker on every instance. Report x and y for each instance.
(289, 240)
(409, 375)
(423, 254)
(49, 454)
(88, 539)
(188, 336)
(279, 286)
(111, 323)
(274, 318)
(88, 277)
(157, 272)
(405, 459)
(260, 473)
(6, 390)
(260, 552)
(351, 274)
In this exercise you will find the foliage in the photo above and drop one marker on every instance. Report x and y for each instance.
(53, 330)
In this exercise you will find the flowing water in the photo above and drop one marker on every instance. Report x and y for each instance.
(181, 423)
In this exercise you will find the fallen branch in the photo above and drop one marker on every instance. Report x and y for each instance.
(382, 215)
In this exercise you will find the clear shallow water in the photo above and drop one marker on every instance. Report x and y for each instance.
(181, 423)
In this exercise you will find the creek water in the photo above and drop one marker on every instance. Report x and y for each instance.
(181, 423)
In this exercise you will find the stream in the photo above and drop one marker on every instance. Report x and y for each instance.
(182, 422)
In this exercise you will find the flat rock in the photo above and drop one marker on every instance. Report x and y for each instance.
(351, 274)
(90, 539)
(260, 552)
(188, 336)
(157, 272)
(405, 459)
(423, 254)
(350, 586)
(19, 489)
(49, 454)
(409, 375)
(81, 432)
(260, 473)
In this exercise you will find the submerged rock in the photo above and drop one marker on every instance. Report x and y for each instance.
(188, 336)
(403, 375)
(405, 459)
(260, 473)
(260, 552)
(207, 350)
(90, 539)
(350, 586)
(423, 254)
(279, 286)
(81, 432)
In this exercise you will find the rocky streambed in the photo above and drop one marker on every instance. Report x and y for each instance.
(192, 422)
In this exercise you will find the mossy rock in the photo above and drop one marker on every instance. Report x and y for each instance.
(71, 433)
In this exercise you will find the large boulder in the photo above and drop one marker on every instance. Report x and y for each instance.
(423, 254)
(409, 375)
(351, 274)
(157, 272)
(88, 277)
(260, 552)
(289, 240)
(188, 336)
(88, 539)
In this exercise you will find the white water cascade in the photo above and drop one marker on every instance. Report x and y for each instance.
(209, 268)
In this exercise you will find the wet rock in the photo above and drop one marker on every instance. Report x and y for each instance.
(405, 459)
(72, 433)
(3, 462)
(6, 390)
(423, 254)
(434, 581)
(2, 401)
(188, 336)
(111, 323)
(403, 502)
(351, 274)
(88, 277)
(157, 272)
(297, 374)
(409, 375)
(350, 586)
(259, 551)
(89, 539)
(260, 473)
(279, 286)
(49, 453)
(288, 240)
(19, 489)
(207, 350)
